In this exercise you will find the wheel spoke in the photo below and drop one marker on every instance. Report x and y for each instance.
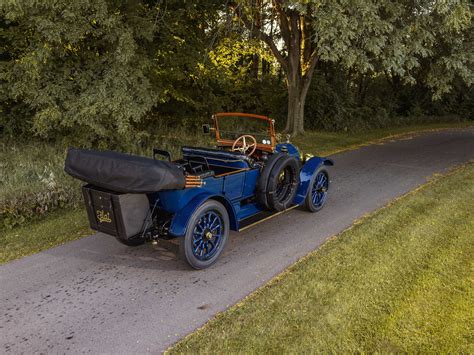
(202, 224)
(212, 226)
(320, 179)
(212, 244)
(198, 225)
(323, 181)
(197, 248)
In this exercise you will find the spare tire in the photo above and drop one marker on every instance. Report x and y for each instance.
(283, 183)
(262, 183)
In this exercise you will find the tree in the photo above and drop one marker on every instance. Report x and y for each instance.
(82, 67)
(95, 71)
(368, 36)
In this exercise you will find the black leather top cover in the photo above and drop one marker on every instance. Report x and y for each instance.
(123, 172)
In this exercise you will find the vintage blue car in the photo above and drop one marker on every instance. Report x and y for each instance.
(246, 178)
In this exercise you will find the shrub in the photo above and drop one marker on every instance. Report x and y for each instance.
(34, 183)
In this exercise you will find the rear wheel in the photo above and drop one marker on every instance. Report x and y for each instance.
(318, 190)
(206, 235)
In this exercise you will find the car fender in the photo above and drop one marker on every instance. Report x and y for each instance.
(180, 219)
(306, 173)
(288, 148)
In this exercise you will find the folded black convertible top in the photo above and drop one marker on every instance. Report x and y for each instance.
(123, 172)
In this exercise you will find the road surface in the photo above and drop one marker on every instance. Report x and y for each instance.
(96, 295)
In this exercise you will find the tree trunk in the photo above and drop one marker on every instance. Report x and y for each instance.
(257, 27)
(299, 63)
(296, 102)
(298, 83)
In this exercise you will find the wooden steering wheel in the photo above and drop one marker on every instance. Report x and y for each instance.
(244, 147)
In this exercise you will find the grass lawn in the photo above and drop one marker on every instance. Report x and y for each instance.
(26, 166)
(58, 228)
(400, 280)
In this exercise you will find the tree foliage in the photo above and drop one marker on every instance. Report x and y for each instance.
(81, 67)
(107, 72)
(99, 68)
(368, 36)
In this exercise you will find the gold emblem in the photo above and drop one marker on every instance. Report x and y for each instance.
(103, 216)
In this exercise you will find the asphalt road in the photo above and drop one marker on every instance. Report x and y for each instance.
(96, 295)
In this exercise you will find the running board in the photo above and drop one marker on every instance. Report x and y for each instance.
(261, 217)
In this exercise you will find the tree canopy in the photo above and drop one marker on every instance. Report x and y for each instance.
(98, 71)
(368, 36)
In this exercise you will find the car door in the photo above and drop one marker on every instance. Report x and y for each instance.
(233, 185)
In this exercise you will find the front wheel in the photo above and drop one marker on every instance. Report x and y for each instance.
(317, 191)
(206, 235)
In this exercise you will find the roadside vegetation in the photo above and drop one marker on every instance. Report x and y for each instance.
(33, 181)
(399, 280)
(59, 227)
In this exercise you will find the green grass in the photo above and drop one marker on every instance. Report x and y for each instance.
(326, 143)
(60, 227)
(400, 280)
(34, 186)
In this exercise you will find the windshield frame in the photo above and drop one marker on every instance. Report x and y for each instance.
(227, 142)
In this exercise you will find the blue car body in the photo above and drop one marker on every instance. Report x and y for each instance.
(231, 190)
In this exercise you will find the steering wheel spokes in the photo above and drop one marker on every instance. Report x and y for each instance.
(243, 146)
